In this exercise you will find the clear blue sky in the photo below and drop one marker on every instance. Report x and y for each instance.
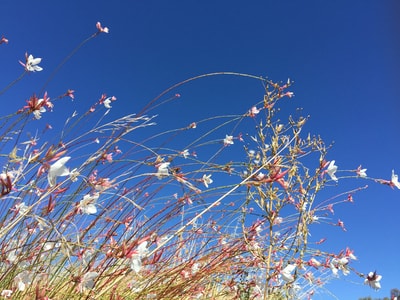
(342, 55)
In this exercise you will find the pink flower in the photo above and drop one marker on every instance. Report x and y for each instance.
(70, 93)
(3, 40)
(101, 29)
(341, 224)
(38, 106)
(289, 94)
(253, 111)
(349, 254)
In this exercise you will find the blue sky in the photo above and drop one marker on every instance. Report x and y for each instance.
(342, 56)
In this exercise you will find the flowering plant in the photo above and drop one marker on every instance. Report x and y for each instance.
(97, 213)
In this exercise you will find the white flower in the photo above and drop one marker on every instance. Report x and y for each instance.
(22, 208)
(136, 263)
(37, 113)
(142, 249)
(107, 103)
(12, 256)
(32, 64)
(314, 262)
(207, 180)
(6, 293)
(23, 279)
(228, 140)
(185, 153)
(136, 259)
(361, 172)
(278, 221)
(74, 174)
(162, 170)
(260, 176)
(286, 273)
(87, 282)
(334, 270)
(279, 128)
(87, 257)
(332, 170)
(294, 291)
(195, 268)
(101, 28)
(88, 204)
(253, 111)
(337, 264)
(395, 180)
(58, 169)
(50, 245)
(373, 280)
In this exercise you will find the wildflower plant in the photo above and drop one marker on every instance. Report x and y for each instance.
(95, 212)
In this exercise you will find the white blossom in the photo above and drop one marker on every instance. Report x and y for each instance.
(162, 170)
(88, 204)
(373, 280)
(395, 180)
(207, 180)
(22, 208)
(286, 273)
(6, 293)
(332, 170)
(58, 169)
(107, 103)
(87, 282)
(23, 279)
(136, 259)
(32, 64)
(228, 140)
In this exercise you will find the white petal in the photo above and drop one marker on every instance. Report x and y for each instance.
(162, 170)
(376, 285)
(21, 286)
(89, 209)
(57, 169)
(35, 61)
(142, 249)
(136, 264)
(289, 268)
(287, 277)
